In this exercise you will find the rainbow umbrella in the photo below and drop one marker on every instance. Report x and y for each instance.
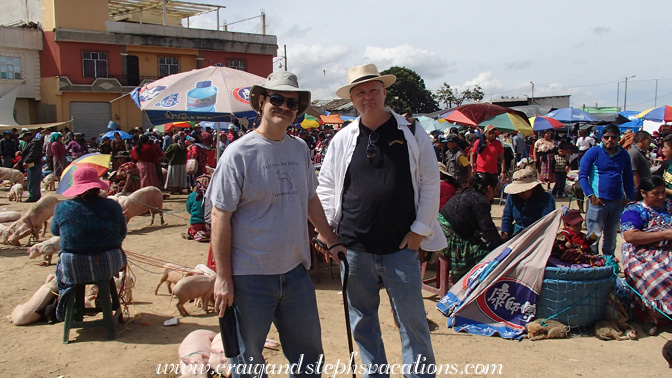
(310, 122)
(540, 123)
(509, 122)
(659, 114)
(99, 162)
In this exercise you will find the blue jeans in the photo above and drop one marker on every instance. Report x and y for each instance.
(604, 219)
(560, 182)
(288, 301)
(34, 176)
(399, 273)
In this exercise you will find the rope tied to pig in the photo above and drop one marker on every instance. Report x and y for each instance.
(159, 263)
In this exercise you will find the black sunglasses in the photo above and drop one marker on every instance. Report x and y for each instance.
(278, 100)
(371, 147)
(610, 137)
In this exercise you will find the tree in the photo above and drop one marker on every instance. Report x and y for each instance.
(408, 94)
(452, 97)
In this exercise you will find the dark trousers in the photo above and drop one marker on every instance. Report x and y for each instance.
(560, 181)
(34, 175)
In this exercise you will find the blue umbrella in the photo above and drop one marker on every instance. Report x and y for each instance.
(122, 134)
(571, 115)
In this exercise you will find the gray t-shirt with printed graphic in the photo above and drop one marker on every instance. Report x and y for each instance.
(266, 184)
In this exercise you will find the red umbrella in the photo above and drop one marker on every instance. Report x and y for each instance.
(473, 114)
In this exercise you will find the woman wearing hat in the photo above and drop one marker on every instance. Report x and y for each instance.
(91, 228)
(526, 204)
(466, 222)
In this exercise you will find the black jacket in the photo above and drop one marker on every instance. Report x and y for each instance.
(32, 153)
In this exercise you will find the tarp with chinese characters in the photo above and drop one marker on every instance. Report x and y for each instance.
(499, 294)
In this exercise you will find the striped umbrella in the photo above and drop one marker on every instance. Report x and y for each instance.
(659, 114)
(99, 162)
(540, 123)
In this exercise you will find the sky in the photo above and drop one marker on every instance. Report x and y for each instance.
(583, 48)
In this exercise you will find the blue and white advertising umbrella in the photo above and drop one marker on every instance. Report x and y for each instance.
(572, 115)
(215, 94)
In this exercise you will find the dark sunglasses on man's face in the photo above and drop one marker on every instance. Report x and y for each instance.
(607, 137)
(278, 100)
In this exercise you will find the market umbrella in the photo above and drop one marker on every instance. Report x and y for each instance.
(310, 122)
(99, 162)
(217, 94)
(509, 122)
(659, 114)
(540, 123)
(571, 115)
(473, 114)
(174, 125)
(430, 124)
(122, 134)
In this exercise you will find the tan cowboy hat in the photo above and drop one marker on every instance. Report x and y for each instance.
(523, 180)
(282, 81)
(362, 74)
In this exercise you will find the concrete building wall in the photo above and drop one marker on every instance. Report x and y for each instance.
(20, 10)
(74, 14)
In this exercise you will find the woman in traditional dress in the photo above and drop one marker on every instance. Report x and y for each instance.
(466, 222)
(119, 152)
(91, 228)
(59, 153)
(195, 151)
(148, 156)
(544, 149)
(647, 251)
(176, 155)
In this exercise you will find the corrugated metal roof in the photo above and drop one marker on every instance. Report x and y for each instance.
(180, 9)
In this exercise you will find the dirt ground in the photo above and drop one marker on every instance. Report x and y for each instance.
(144, 343)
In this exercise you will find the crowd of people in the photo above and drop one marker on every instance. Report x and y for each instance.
(385, 190)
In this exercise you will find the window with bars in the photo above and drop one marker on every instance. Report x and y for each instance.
(168, 65)
(94, 63)
(238, 64)
(10, 67)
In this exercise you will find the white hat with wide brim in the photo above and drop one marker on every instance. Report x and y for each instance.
(363, 74)
(523, 180)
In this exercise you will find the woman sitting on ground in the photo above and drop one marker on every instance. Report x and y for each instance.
(466, 222)
(647, 251)
(527, 203)
(91, 228)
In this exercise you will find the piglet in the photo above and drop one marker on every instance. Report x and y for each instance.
(9, 216)
(29, 312)
(194, 287)
(31, 222)
(139, 202)
(15, 193)
(171, 276)
(46, 249)
(194, 353)
(49, 182)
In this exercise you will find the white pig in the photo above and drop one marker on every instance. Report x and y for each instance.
(172, 274)
(9, 216)
(27, 313)
(15, 193)
(194, 287)
(49, 182)
(139, 202)
(194, 353)
(31, 222)
(46, 249)
(13, 175)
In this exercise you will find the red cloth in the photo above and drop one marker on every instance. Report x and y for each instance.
(446, 193)
(486, 161)
(149, 152)
(194, 228)
(578, 239)
(58, 150)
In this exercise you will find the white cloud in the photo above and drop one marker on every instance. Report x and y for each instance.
(488, 83)
(322, 69)
(427, 64)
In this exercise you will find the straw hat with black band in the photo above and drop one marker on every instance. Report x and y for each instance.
(282, 82)
(523, 180)
(363, 74)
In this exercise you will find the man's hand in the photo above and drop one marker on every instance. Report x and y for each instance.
(505, 236)
(594, 201)
(223, 294)
(411, 241)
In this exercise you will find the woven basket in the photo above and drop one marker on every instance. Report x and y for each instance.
(582, 292)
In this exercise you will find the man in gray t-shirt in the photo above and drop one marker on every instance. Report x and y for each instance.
(640, 164)
(262, 194)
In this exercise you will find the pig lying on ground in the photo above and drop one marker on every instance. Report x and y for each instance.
(31, 222)
(194, 287)
(9, 216)
(14, 176)
(49, 182)
(46, 249)
(15, 193)
(29, 312)
(139, 202)
(195, 353)
(171, 276)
